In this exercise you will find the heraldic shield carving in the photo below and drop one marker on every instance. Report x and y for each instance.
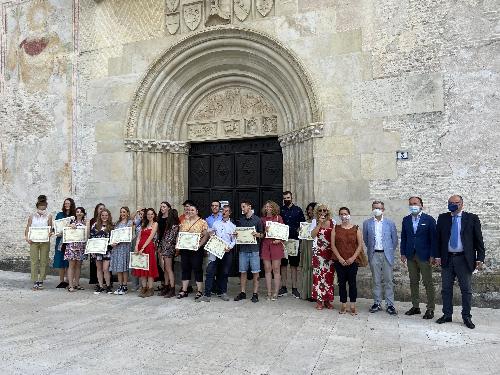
(192, 15)
(264, 6)
(173, 22)
(242, 9)
(172, 5)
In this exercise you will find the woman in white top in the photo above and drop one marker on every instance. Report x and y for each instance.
(39, 251)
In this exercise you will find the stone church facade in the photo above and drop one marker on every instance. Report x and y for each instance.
(103, 100)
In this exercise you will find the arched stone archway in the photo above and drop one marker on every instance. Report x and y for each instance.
(222, 83)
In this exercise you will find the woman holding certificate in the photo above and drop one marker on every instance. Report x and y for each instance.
(145, 245)
(68, 210)
(191, 249)
(167, 250)
(120, 254)
(37, 234)
(74, 252)
(322, 263)
(272, 250)
(102, 229)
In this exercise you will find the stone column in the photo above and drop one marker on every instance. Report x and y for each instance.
(298, 161)
(160, 171)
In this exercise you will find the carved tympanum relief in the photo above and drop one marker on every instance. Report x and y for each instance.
(233, 112)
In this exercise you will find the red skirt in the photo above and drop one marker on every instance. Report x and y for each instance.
(153, 267)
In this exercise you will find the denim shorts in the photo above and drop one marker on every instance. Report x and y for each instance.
(250, 259)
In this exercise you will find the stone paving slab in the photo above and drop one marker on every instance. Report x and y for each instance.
(55, 332)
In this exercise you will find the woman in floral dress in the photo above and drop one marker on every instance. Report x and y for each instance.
(75, 252)
(322, 263)
(102, 229)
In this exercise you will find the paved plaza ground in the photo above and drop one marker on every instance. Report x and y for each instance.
(55, 332)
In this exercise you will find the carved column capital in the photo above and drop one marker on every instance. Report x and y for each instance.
(314, 130)
(156, 145)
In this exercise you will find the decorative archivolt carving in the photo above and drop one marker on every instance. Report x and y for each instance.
(314, 130)
(156, 145)
(202, 130)
(222, 35)
(216, 16)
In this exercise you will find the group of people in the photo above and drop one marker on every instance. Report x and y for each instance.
(455, 243)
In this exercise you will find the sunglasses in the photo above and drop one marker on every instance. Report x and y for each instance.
(322, 210)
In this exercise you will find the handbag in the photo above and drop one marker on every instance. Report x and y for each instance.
(362, 259)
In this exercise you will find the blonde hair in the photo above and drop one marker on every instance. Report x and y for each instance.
(319, 206)
(275, 209)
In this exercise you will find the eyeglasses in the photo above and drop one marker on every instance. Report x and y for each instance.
(322, 210)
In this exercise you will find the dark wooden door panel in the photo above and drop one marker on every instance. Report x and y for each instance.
(248, 169)
(223, 171)
(199, 171)
(272, 169)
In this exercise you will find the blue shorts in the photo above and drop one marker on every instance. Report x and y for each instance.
(251, 260)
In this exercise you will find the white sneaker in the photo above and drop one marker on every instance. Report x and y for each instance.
(118, 291)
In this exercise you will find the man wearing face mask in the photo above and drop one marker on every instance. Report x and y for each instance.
(460, 251)
(292, 216)
(381, 239)
(418, 250)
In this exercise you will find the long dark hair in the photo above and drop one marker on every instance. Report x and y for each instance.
(166, 204)
(96, 209)
(72, 208)
(83, 211)
(311, 205)
(145, 221)
(172, 219)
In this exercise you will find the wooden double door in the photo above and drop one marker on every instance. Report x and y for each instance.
(234, 171)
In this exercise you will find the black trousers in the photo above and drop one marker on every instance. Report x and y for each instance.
(347, 275)
(93, 272)
(192, 261)
(456, 269)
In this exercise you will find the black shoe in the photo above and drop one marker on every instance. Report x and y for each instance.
(391, 310)
(444, 319)
(283, 291)
(240, 296)
(468, 323)
(295, 293)
(310, 299)
(376, 307)
(413, 311)
(190, 289)
(255, 298)
(62, 285)
(429, 314)
(109, 289)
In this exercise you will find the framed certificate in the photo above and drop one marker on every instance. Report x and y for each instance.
(216, 246)
(245, 236)
(121, 235)
(305, 231)
(139, 261)
(74, 235)
(60, 224)
(97, 246)
(292, 247)
(39, 234)
(277, 231)
(188, 241)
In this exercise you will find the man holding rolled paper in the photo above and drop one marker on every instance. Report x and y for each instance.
(224, 229)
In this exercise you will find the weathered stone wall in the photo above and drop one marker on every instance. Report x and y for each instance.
(418, 76)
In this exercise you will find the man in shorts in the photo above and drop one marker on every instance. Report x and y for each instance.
(249, 254)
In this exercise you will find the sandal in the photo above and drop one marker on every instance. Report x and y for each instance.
(269, 296)
(319, 306)
(198, 295)
(353, 310)
(78, 287)
(274, 297)
(343, 309)
(71, 289)
(182, 294)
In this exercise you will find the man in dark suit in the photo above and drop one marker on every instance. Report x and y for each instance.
(418, 250)
(460, 252)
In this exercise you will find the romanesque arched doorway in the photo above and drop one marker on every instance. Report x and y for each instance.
(224, 83)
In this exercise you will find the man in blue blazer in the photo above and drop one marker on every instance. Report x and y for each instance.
(460, 252)
(381, 240)
(418, 250)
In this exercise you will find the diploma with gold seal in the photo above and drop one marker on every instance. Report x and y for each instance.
(39, 234)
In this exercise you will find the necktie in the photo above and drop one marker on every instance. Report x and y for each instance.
(454, 233)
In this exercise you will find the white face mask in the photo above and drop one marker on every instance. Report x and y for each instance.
(415, 210)
(345, 218)
(377, 212)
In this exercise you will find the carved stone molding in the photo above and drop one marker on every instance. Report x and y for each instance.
(156, 145)
(314, 130)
